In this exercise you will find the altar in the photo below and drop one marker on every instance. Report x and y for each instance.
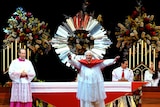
(63, 94)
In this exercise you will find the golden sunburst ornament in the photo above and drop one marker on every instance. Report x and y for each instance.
(80, 33)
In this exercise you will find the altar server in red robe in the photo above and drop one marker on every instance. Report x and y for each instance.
(21, 72)
(91, 92)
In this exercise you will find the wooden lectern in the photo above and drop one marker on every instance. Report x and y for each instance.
(150, 97)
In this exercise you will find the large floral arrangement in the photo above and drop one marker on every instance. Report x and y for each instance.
(136, 27)
(80, 33)
(27, 30)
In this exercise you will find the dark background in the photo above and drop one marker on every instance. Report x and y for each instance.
(49, 67)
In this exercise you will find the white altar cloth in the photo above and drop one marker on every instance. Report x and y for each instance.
(47, 87)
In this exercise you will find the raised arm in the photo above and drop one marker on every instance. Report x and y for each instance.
(73, 62)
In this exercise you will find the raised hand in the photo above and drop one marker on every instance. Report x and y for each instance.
(69, 56)
(117, 58)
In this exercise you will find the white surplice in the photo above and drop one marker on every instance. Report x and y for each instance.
(21, 89)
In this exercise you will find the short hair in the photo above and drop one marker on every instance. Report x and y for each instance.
(124, 60)
(19, 50)
(88, 51)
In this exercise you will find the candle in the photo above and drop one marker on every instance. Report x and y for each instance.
(24, 46)
(4, 60)
(20, 46)
(145, 53)
(154, 57)
(15, 48)
(142, 51)
(11, 51)
(150, 54)
(137, 53)
(133, 56)
(7, 56)
(27, 53)
(129, 57)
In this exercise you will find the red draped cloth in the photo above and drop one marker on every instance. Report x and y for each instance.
(90, 64)
(68, 99)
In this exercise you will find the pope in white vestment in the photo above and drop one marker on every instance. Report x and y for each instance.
(90, 80)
